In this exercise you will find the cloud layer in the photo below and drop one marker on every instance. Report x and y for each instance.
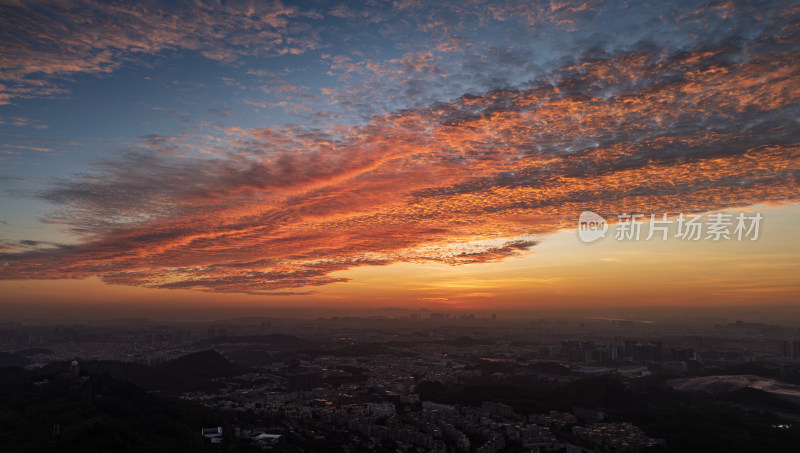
(643, 128)
(43, 42)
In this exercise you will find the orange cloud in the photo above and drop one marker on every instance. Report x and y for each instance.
(466, 181)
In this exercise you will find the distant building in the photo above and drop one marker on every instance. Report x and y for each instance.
(305, 380)
(790, 349)
(266, 439)
(212, 434)
(381, 409)
(594, 370)
(592, 415)
(73, 371)
(428, 406)
(619, 437)
(501, 409)
(694, 367)
(633, 371)
(549, 351)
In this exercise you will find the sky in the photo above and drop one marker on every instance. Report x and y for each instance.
(263, 155)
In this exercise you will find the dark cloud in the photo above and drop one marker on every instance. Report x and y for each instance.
(41, 42)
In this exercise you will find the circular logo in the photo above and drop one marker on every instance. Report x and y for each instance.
(591, 227)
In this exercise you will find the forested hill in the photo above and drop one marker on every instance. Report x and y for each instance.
(95, 413)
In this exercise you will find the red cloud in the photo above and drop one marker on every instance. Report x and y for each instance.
(634, 131)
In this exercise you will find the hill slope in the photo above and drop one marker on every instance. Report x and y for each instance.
(101, 414)
(190, 372)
